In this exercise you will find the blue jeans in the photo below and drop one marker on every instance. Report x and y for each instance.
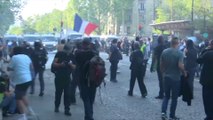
(10, 102)
(170, 86)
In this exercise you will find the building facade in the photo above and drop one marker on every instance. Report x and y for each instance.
(142, 16)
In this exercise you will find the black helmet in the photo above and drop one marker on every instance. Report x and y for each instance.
(37, 44)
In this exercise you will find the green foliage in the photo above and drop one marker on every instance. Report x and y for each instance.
(181, 10)
(162, 16)
(174, 10)
(99, 12)
(8, 10)
(15, 30)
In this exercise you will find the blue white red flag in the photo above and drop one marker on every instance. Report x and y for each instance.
(83, 26)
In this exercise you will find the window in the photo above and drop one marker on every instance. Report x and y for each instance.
(141, 6)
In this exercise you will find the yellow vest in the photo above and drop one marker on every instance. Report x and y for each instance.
(143, 47)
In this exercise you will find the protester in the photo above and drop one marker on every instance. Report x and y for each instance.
(75, 75)
(39, 58)
(11, 46)
(171, 64)
(132, 43)
(21, 76)
(156, 63)
(137, 66)
(114, 57)
(27, 49)
(126, 46)
(64, 66)
(7, 97)
(190, 62)
(206, 80)
(144, 49)
(87, 89)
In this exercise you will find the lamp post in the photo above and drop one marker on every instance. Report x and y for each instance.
(192, 12)
(154, 10)
(137, 17)
(192, 19)
(172, 10)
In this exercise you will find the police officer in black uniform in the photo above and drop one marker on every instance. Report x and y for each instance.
(63, 69)
(39, 58)
(137, 65)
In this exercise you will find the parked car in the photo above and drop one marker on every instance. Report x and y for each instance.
(74, 36)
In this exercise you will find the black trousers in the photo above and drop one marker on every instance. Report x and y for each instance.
(62, 85)
(40, 74)
(88, 97)
(136, 74)
(207, 102)
(160, 78)
(73, 86)
(113, 70)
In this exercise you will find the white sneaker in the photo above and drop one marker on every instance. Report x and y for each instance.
(30, 112)
(22, 117)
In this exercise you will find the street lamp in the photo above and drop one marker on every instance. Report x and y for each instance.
(192, 12)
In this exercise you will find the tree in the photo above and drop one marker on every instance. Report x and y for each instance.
(182, 9)
(16, 30)
(104, 13)
(8, 10)
(174, 10)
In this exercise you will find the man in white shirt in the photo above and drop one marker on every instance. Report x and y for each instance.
(21, 70)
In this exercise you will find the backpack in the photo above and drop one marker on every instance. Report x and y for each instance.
(96, 71)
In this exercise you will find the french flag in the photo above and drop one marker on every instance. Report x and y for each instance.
(83, 26)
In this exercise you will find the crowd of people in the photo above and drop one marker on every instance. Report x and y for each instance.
(176, 62)
(170, 62)
(24, 62)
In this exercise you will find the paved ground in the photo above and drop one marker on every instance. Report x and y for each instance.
(115, 105)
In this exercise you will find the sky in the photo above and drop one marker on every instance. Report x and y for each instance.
(39, 7)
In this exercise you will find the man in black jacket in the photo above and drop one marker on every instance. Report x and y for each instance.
(190, 62)
(39, 58)
(137, 65)
(87, 89)
(114, 57)
(206, 79)
(64, 66)
(156, 60)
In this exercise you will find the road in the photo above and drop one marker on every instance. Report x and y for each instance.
(112, 102)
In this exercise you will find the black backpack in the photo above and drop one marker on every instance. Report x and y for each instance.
(96, 71)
